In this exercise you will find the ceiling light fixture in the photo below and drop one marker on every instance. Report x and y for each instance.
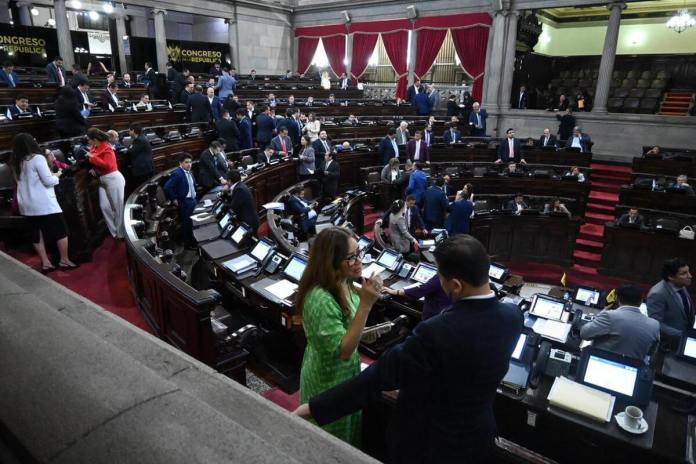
(34, 11)
(77, 4)
(93, 15)
(108, 8)
(681, 21)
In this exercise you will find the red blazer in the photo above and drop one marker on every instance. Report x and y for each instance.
(424, 150)
(103, 158)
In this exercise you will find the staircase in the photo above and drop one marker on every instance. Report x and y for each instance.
(676, 103)
(606, 181)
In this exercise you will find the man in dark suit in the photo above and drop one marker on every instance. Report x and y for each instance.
(632, 217)
(55, 73)
(83, 97)
(198, 106)
(139, 155)
(510, 149)
(7, 74)
(150, 75)
(422, 104)
(435, 206)
(417, 184)
(332, 173)
(265, 126)
(388, 147)
(417, 149)
(461, 212)
(110, 97)
(186, 93)
(669, 301)
(441, 415)
(214, 101)
(212, 166)
(477, 120)
(181, 189)
(171, 72)
(517, 204)
(298, 204)
(21, 106)
(547, 139)
(281, 143)
(267, 155)
(414, 90)
(414, 221)
(228, 131)
(522, 99)
(451, 135)
(246, 140)
(567, 122)
(683, 184)
(579, 140)
(242, 202)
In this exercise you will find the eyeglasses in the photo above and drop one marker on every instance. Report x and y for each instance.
(355, 257)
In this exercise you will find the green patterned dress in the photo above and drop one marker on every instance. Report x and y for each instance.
(322, 369)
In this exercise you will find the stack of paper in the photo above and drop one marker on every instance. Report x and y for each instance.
(282, 289)
(554, 330)
(581, 399)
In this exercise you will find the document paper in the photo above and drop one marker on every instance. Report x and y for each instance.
(554, 330)
(581, 399)
(282, 289)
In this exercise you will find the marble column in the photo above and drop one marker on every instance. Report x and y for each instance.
(233, 40)
(65, 46)
(24, 13)
(508, 66)
(120, 17)
(490, 99)
(606, 66)
(349, 55)
(160, 39)
(5, 11)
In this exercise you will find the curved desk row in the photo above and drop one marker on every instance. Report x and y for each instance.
(669, 167)
(665, 200)
(49, 94)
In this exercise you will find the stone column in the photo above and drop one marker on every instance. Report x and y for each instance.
(606, 66)
(24, 13)
(65, 46)
(5, 11)
(233, 40)
(496, 61)
(412, 56)
(508, 66)
(120, 17)
(349, 55)
(160, 39)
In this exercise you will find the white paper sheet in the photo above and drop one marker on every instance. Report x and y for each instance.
(554, 330)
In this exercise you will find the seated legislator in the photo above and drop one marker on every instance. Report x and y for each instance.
(212, 167)
(632, 217)
(417, 183)
(461, 212)
(417, 150)
(574, 171)
(401, 240)
(281, 143)
(435, 206)
(654, 152)
(267, 156)
(144, 103)
(388, 147)
(517, 204)
(181, 189)
(139, 155)
(513, 169)
(110, 99)
(556, 207)
(547, 139)
(241, 201)
(441, 415)
(683, 184)
(510, 149)
(451, 135)
(391, 172)
(624, 330)
(669, 302)
(332, 173)
(334, 313)
(579, 140)
(300, 204)
(21, 106)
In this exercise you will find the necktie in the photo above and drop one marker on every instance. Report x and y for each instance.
(408, 218)
(192, 190)
(512, 148)
(60, 76)
(546, 141)
(282, 145)
(478, 119)
(427, 138)
(326, 146)
(685, 301)
(11, 80)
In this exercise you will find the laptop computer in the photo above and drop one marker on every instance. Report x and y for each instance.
(213, 231)
(498, 273)
(386, 263)
(423, 273)
(227, 246)
(547, 307)
(252, 260)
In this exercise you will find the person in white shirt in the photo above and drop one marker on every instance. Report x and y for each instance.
(402, 134)
(144, 103)
(312, 127)
(37, 201)
(579, 140)
(83, 96)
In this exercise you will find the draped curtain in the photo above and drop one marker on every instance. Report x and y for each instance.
(306, 47)
(363, 47)
(395, 44)
(428, 45)
(470, 44)
(335, 48)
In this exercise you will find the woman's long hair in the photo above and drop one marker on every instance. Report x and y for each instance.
(96, 134)
(24, 146)
(324, 268)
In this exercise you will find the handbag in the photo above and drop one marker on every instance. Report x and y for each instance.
(687, 232)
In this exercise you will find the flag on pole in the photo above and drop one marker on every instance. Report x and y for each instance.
(564, 280)
(611, 296)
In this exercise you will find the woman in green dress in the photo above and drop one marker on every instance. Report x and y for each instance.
(334, 312)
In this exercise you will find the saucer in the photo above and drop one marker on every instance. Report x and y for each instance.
(621, 420)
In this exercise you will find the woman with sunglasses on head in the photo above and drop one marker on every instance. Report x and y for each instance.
(334, 312)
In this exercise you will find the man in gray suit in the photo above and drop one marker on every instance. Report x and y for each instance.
(669, 302)
(624, 330)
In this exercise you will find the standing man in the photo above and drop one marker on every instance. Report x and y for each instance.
(140, 155)
(522, 99)
(55, 72)
(414, 221)
(226, 84)
(433, 97)
(413, 90)
(214, 102)
(198, 106)
(388, 147)
(212, 168)
(461, 212)
(245, 134)
(228, 131)
(417, 149)
(242, 202)
(435, 206)
(669, 302)
(181, 189)
(186, 93)
(332, 172)
(150, 75)
(402, 134)
(567, 122)
(441, 415)
(477, 120)
(510, 149)
(422, 103)
(265, 126)
(417, 183)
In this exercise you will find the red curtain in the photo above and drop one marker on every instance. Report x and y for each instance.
(306, 47)
(335, 48)
(320, 31)
(453, 21)
(428, 45)
(470, 45)
(363, 47)
(396, 44)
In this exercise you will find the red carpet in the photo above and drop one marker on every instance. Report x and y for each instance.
(104, 280)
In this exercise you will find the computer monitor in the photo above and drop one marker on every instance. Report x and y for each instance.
(389, 259)
(225, 220)
(239, 234)
(587, 296)
(608, 372)
(295, 268)
(364, 243)
(219, 207)
(424, 272)
(547, 307)
(497, 272)
(262, 248)
(519, 348)
(688, 347)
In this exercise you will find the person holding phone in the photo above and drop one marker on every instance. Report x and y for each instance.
(334, 312)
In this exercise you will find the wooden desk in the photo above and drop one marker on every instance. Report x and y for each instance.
(665, 201)
(49, 94)
(666, 167)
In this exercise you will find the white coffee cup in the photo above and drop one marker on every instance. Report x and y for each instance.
(633, 416)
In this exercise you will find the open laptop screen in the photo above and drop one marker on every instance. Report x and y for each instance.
(239, 234)
(225, 220)
(496, 272)
(586, 295)
(689, 349)
(295, 268)
(610, 375)
(389, 259)
(261, 250)
(547, 307)
(424, 273)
